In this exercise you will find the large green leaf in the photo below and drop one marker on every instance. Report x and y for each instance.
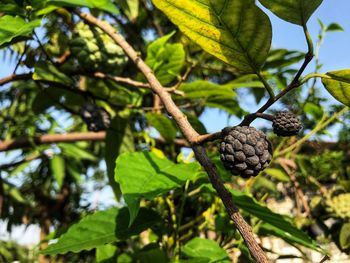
(101, 228)
(144, 175)
(15, 28)
(119, 139)
(58, 169)
(166, 60)
(163, 125)
(205, 249)
(338, 85)
(237, 31)
(48, 72)
(294, 11)
(251, 206)
(105, 5)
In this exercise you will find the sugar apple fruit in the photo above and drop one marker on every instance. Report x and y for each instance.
(96, 51)
(245, 151)
(286, 123)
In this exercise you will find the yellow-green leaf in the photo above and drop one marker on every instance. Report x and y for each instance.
(338, 85)
(237, 31)
(294, 11)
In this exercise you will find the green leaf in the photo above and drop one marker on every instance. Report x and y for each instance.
(131, 8)
(201, 89)
(344, 236)
(58, 169)
(76, 152)
(225, 103)
(205, 249)
(48, 72)
(15, 28)
(163, 125)
(338, 85)
(278, 174)
(105, 5)
(151, 253)
(314, 110)
(251, 206)
(144, 175)
(106, 254)
(166, 60)
(279, 58)
(294, 11)
(334, 27)
(237, 32)
(119, 139)
(101, 228)
(263, 182)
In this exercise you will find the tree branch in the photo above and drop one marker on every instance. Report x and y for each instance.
(189, 133)
(51, 138)
(14, 77)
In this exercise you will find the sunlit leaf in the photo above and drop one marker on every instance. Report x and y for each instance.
(131, 8)
(338, 85)
(278, 174)
(106, 254)
(166, 60)
(205, 249)
(15, 28)
(144, 175)
(105, 5)
(48, 72)
(237, 32)
(294, 11)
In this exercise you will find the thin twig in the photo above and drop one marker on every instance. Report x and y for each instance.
(325, 258)
(294, 83)
(189, 133)
(299, 192)
(20, 58)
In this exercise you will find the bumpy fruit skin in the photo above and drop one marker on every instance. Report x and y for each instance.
(245, 151)
(286, 123)
(96, 51)
(96, 118)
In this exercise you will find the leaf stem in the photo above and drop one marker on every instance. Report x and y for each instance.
(266, 85)
(313, 75)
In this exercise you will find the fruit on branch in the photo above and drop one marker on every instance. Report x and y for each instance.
(286, 123)
(96, 51)
(96, 118)
(245, 151)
